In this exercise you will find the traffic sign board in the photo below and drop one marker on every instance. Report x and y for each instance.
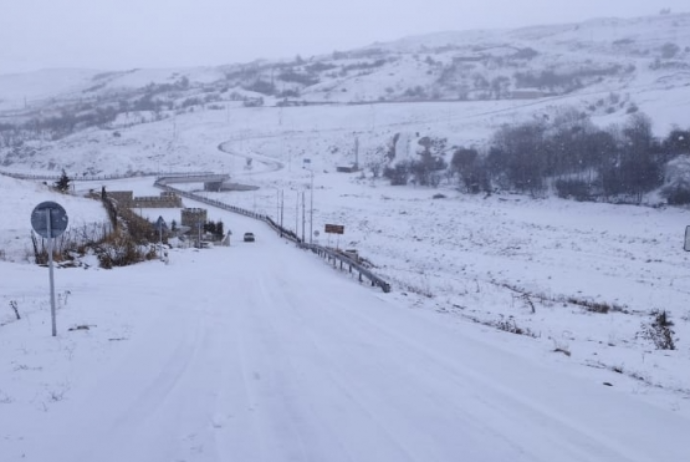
(335, 229)
(46, 211)
(161, 225)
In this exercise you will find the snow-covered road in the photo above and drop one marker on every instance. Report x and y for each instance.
(258, 353)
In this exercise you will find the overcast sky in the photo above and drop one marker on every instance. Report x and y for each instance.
(123, 34)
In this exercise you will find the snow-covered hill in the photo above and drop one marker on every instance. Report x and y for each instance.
(594, 56)
(224, 337)
(457, 85)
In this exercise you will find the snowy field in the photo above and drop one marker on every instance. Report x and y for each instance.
(265, 353)
(261, 352)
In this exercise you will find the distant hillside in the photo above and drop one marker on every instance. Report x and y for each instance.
(602, 54)
(605, 69)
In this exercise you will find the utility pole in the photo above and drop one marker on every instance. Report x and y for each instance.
(303, 217)
(282, 206)
(356, 153)
(311, 210)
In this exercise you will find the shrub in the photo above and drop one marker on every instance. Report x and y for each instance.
(63, 183)
(509, 325)
(677, 195)
(398, 174)
(597, 307)
(669, 50)
(296, 77)
(120, 250)
(575, 189)
(261, 86)
(659, 331)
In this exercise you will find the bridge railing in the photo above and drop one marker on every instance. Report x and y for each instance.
(330, 255)
(123, 176)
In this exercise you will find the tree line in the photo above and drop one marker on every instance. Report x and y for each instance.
(566, 153)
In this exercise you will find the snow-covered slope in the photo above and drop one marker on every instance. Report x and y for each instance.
(604, 68)
(598, 55)
(19, 199)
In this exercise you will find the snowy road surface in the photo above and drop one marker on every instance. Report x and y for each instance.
(258, 353)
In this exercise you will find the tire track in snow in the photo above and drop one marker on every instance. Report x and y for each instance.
(274, 297)
(366, 400)
(344, 389)
(582, 444)
(147, 384)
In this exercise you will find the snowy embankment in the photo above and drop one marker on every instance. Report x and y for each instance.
(18, 201)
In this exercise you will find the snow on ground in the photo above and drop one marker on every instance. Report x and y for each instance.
(476, 257)
(223, 352)
(18, 201)
(262, 352)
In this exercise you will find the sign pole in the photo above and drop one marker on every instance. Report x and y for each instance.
(50, 269)
(49, 220)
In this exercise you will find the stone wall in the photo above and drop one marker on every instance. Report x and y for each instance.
(166, 200)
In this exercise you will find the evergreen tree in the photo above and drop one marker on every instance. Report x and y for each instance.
(63, 183)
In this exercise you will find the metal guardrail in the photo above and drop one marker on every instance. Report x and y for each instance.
(286, 233)
(347, 261)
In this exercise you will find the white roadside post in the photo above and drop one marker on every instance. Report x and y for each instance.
(50, 220)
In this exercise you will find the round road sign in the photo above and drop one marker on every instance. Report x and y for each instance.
(58, 219)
